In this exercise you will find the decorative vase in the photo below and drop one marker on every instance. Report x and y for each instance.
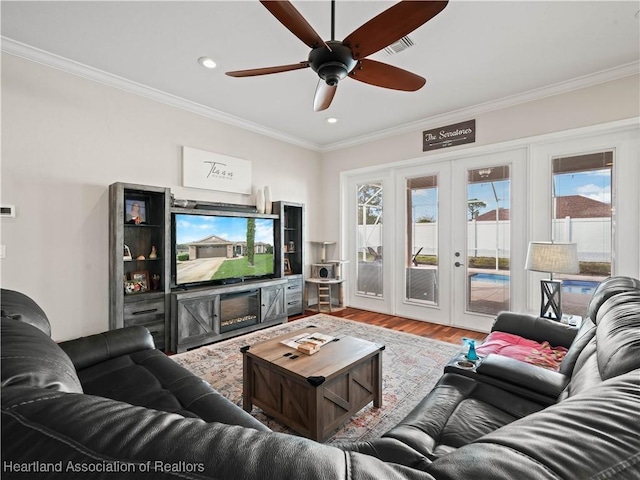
(260, 201)
(267, 200)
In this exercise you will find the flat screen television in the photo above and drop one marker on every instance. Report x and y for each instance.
(221, 249)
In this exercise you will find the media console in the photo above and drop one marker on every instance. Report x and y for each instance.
(209, 314)
(144, 288)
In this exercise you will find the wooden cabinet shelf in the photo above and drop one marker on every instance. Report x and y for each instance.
(148, 308)
(290, 254)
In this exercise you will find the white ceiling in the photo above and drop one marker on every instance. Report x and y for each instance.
(472, 54)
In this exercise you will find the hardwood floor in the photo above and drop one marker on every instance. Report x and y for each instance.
(443, 333)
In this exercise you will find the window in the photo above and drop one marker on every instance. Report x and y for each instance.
(369, 241)
(422, 239)
(583, 214)
(488, 240)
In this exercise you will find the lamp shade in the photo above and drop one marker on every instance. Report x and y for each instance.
(552, 257)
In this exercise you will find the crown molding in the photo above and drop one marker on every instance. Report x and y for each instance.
(43, 57)
(454, 116)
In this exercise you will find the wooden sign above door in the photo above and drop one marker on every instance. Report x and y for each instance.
(449, 136)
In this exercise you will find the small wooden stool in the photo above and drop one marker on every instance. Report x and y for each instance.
(324, 290)
(324, 296)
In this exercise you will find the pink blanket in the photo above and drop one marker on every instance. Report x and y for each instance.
(514, 346)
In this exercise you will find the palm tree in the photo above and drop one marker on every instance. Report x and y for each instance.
(474, 205)
(251, 240)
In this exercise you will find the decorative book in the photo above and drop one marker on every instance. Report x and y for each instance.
(308, 343)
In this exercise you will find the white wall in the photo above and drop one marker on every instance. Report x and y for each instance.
(64, 140)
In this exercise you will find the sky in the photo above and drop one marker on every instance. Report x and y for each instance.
(593, 184)
(191, 228)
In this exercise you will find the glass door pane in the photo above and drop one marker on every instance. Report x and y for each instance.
(421, 262)
(582, 214)
(369, 239)
(488, 240)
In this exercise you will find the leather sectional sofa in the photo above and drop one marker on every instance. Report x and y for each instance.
(109, 406)
(530, 409)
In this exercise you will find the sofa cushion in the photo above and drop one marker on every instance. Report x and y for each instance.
(615, 347)
(148, 378)
(609, 287)
(591, 436)
(456, 412)
(521, 378)
(18, 306)
(31, 358)
(618, 335)
(585, 334)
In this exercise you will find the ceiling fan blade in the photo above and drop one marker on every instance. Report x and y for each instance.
(324, 96)
(386, 76)
(267, 70)
(291, 18)
(391, 25)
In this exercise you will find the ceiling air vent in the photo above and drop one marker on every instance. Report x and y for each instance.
(400, 45)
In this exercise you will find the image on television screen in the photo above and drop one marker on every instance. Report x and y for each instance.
(215, 248)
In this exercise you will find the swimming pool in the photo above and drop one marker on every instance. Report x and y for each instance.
(585, 287)
(490, 278)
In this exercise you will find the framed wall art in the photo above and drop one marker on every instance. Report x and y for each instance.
(214, 171)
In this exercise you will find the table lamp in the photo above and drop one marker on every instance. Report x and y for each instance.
(552, 257)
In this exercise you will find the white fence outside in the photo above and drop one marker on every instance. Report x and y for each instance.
(593, 236)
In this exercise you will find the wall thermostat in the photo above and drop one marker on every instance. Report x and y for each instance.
(323, 271)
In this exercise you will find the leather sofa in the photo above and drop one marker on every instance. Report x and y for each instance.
(109, 406)
(500, 399)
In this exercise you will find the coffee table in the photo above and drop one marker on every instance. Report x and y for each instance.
(312, 394)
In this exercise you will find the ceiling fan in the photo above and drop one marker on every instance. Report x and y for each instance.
(334, 60)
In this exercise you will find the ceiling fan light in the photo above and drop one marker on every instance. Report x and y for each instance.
(332, 120)
(332, 72)
(332, 65)
(206, 62)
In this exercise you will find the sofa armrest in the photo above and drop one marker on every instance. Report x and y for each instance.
(535, 328)
(531, 377)
(87, 351)
(388, 450)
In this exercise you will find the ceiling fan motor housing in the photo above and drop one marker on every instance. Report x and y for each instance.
(332, 65)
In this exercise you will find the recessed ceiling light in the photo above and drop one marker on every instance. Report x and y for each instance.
(207, 62)
(332, 120)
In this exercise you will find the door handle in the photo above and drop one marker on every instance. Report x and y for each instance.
(458, 264)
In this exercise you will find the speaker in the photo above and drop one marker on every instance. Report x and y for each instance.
(323, 271)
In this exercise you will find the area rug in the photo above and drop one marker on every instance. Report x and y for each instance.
(411, 365)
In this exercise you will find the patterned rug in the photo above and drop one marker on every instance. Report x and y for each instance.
(411, 365)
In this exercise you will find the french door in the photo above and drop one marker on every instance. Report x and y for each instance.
(489, 237)
(435, 241)
(458, 245)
